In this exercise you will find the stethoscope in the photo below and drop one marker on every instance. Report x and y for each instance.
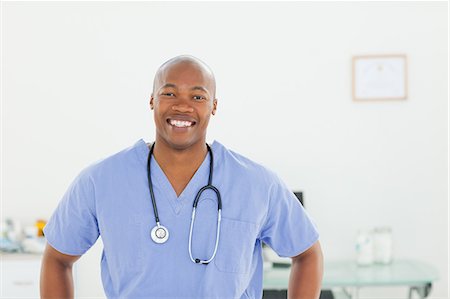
(160, 234)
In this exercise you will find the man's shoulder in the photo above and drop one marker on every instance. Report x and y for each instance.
(243, 164)
(125, 158)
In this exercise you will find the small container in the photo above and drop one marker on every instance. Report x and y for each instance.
(382, 245)
(40, 224)
(364, 248)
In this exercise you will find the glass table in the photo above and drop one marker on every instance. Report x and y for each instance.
(416, 275)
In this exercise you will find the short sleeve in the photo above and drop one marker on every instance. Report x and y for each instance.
(73, 229)
(288, 229)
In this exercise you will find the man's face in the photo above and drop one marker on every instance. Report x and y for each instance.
(183, 101)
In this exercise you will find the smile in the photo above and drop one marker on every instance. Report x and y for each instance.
(180, 123)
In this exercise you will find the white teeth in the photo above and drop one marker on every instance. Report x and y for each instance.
(180, 123)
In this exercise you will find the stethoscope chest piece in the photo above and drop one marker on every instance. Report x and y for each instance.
(159, 234)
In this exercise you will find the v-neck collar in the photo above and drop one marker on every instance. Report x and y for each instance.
(198, 180)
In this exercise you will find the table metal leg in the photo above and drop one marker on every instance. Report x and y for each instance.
(423, 291)
(347, 293)
(352, 294)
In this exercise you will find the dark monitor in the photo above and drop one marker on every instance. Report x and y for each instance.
(299, 195)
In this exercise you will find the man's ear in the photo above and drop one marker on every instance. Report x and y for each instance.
(213, 112)
(151, 101)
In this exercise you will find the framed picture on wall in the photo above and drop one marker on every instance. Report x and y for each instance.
(379, 77)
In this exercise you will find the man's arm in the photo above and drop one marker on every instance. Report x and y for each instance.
(56, 274)
(306, 274)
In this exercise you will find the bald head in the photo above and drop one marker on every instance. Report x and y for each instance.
(180, 63)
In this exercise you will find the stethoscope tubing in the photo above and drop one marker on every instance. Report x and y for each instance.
(198, 261)
(204, 188)
(209, 186)
(150, 184)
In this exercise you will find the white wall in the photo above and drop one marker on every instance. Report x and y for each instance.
(76, 80)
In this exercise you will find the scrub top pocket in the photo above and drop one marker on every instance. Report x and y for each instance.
(123, 245)
(236, 246)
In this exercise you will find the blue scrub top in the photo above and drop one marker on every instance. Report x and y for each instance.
(111, 199)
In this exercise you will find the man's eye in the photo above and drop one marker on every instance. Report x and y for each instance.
(169, 94)
(199, 98)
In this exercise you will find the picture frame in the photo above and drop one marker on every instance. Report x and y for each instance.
(379, 77)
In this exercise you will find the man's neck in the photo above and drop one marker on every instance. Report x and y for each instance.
(179, 165)
(182, 159)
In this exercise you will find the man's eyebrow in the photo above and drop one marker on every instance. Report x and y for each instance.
(200, 88)
(169, 85)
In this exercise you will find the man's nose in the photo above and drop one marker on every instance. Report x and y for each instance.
(183, 106)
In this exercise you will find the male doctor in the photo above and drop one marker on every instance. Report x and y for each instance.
(140, 201)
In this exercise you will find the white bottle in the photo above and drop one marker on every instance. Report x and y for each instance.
(382, 244)
(364, 248)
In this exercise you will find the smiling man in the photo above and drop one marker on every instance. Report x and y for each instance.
(180, 218)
